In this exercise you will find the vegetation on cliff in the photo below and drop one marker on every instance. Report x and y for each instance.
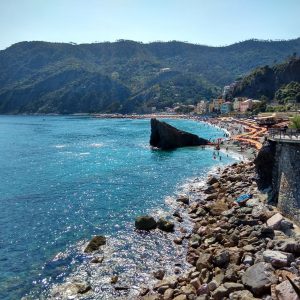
(125, 76)
(280, 82)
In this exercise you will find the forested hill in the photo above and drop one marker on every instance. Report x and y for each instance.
(124, 76)
(280, 82)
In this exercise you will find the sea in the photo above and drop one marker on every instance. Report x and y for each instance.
(64, 179)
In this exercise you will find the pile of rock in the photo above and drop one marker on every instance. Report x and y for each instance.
(246, 251)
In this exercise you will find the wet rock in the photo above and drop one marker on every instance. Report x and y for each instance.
(275, 221)
(95, 243)
(183, 199)
(212, 179)
(83, 288)
(259, 278)
(159, 274)
(97, 260)
(145, 223)
(114, 279)
(277, 258)
(212, 197)
(165, 225)
(178, 241)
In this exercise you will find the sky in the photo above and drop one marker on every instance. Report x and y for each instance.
(208, 22)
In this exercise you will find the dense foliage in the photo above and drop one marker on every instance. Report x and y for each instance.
(280, 82)
(125, 76)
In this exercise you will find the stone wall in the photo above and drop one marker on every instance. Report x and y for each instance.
(286, 179)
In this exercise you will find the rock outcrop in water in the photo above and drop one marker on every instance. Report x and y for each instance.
(167, 137)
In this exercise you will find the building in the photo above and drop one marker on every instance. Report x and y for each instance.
(201, 107)
(215, 105)
(248, 105)
(237, 103)
(226, 107)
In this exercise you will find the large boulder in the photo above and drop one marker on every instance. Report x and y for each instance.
(259, 278)
(95, 243)
(145, 223)
(166, 137)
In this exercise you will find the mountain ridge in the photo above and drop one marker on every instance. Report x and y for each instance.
(124, 76)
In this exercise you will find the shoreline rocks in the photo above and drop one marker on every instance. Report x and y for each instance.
(236, 250)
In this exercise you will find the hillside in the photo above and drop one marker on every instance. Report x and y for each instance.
(124, 76)
(280, 82)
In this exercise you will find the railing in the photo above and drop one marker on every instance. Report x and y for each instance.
(284, 134)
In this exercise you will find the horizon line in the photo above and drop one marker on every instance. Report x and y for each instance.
(152, 42)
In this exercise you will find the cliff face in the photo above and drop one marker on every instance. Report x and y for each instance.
(166, 137)
(278, 167)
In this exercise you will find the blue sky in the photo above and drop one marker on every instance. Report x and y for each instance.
(210, 22)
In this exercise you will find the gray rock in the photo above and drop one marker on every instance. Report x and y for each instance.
(220, 293)
(241, 295)
(275, 221)
(95, 243)
(233, 286)
(277, 258)
(259, 278)
(145, 223)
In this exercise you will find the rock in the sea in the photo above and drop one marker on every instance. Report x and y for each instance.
(159, 274)
(95, 243)
(183, 199)
(145, 223)
(165, 225)
(114, 279)
(166, 137)
(259, 278)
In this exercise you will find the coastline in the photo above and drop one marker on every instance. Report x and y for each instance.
(232, 243)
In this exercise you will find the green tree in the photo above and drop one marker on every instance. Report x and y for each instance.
(295, 122)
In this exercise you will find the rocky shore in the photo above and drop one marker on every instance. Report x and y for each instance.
(237, 249)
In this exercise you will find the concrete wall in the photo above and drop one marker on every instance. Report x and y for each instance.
(286, 179)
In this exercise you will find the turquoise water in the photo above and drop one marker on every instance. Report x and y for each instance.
(64, 179)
